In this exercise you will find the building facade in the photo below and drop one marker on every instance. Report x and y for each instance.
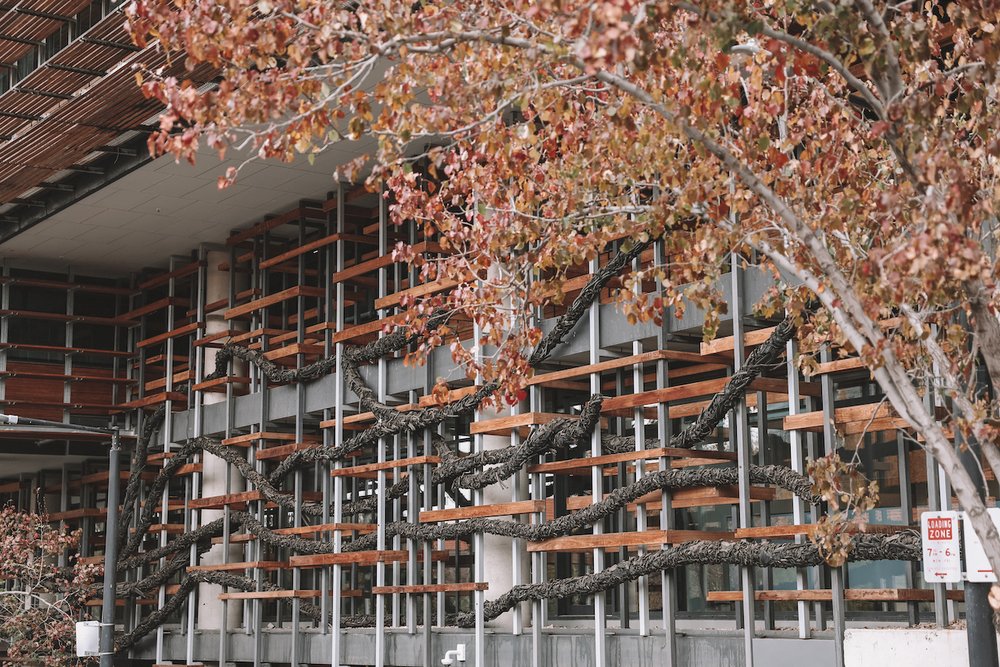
(126, 286)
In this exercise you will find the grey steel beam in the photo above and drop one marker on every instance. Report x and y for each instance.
(743, 453)
(836, 573)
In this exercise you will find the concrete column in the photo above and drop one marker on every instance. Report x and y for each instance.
(214, 476)
(499, 550)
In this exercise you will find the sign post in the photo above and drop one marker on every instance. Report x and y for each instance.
(977, 566)
(940, 539)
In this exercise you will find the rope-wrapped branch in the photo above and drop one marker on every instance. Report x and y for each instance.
(568, 320)
(762, 358)
(900, 546)
(781, 476)
(558, 434)
(160, 616)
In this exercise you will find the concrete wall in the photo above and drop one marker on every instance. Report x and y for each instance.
(561, 648)
(884, 647)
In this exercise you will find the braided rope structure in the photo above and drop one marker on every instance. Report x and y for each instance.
(463, 473)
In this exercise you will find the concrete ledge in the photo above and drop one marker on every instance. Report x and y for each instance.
(561, 648)
(879, 647)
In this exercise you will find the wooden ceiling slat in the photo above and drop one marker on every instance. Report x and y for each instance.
(99, 110)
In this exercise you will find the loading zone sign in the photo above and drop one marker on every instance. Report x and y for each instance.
(940, 539)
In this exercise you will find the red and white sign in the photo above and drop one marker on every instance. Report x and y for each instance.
(940, 543)
(977, 566)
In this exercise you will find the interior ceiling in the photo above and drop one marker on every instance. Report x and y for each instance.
(19, 463)
(164, 208)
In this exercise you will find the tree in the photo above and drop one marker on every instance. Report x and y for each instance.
(41, 600)
(851, 146)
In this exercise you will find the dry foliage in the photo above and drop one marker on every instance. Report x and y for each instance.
(40, 601)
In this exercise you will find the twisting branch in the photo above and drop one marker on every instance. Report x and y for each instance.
(160, 616)
(568, 320)
(762, 358)
(147, 586)
(153, 494)
(468, 473)
(558, 434)
(901, 546)
(272, 371)
(208, 531)
(781, 476)
(138, 466)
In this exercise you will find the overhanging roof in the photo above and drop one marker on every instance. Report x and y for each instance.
(56, 120)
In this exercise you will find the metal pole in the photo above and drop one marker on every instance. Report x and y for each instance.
(978, 613)
(110, 555)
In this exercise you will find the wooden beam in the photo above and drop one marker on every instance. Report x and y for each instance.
(853, 413)
(271, 299)
(382, 261)
(823, 595)
(610, 459)
(361, 558)
(415, 292)
(791, 530)
(457, 587)
(479, 511)
(728, 343)
(250, 438)
(504, 425)
(248, 565)
(315, 245)
(367, 328)
(159, 304)
(632, 539)
(386, 465)
(165, 278)
(268, 224)
(838, 365)
(155, 399)
(612, 364)
(282, 451)
(174, 333)
(65, 350)
(270, 595)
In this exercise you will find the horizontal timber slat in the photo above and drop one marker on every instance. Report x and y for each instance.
(314, 245)
(61, 317)
(249, 438)
(163, 337)
(414, 292)
(248, 565)
(271, 299)
(270, 595)
(696, 390)
(282, 451)
(386, 465)
(609, 459)
(479, 511)
(218, 502)
(765, 532)
(853, 413)
(304, 530)
(631, 539)
(825, 595)
(165, 278)
(64, 350)
(155, 399)
(159, 304)
(271, 223)
(458, 587)
(504, 425)
(360, 558)
(645, 357)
